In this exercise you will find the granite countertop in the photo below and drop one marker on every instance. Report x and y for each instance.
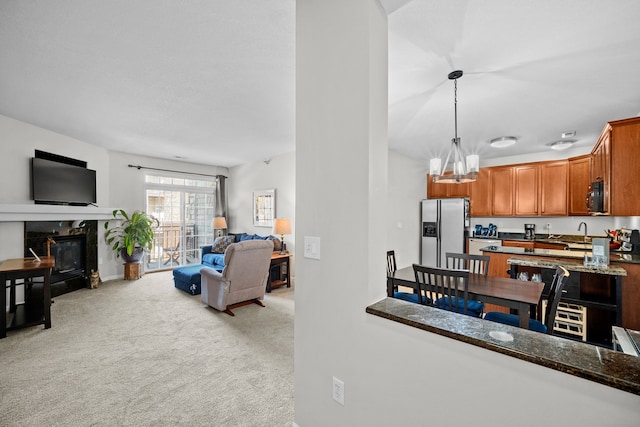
(602, 365)
(614, 257)
(612, 270)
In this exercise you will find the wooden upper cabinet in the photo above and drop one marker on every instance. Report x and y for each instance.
(437, 190)
(601, 165)
(579, 181)
(554, 182)
(502, 190)
(624, 173)
(526, 189)
(480, 202)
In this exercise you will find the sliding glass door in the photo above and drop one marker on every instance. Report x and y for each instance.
(184, 209)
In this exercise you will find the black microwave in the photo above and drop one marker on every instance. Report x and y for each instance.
(595, 197)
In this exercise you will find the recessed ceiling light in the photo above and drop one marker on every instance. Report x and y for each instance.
(568, 134)
(562, 144)
(503, 141)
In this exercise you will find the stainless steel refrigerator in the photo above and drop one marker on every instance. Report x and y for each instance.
(445, 227)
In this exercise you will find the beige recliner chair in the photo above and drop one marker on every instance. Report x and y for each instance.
(244, 278)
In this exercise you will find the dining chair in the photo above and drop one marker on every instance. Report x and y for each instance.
(476, 264)
(555, 294)
(414, 297)
(448, 288)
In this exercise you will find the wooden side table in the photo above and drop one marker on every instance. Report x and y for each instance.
(26, 269)
(280, 261)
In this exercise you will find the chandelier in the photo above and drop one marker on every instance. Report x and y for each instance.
(463, 169)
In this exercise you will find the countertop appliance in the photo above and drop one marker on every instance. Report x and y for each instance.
(530, 231)
(445, 227)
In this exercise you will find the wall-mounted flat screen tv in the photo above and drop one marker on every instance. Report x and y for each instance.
(55, 182)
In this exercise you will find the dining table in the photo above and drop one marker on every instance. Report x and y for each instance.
(506, 292)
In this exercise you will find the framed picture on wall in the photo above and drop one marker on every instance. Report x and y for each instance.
(264, 207)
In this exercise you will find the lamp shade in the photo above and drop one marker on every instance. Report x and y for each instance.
(219, 223)
(281, 226)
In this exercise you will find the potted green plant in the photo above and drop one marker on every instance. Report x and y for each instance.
(130, 235)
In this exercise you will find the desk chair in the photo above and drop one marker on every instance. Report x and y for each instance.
(449, 289)
(555, 293)
(476, 264)
(414, 297)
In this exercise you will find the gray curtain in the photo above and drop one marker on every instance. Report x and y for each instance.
(221, 197)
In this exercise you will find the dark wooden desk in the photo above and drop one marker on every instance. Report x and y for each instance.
(493, 290)
(24, 268)
(280, 261)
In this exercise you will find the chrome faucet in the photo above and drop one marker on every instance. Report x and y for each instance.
(585, 230)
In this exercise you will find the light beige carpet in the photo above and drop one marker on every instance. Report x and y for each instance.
(143, 353)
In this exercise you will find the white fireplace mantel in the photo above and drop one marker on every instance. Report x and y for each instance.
(16, 212)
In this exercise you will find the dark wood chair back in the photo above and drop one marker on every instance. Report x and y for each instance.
(391, 262)
(443, 284)
(555, 294)
(476, 264)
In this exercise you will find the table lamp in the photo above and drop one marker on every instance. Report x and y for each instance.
(219, 224)
(282, 226)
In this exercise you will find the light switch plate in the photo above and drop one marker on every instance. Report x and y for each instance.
(311, 247)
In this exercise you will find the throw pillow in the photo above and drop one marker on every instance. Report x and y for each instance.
(221, 244)
(277, 244)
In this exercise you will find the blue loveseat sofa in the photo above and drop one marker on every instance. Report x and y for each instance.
(188, 278)
(213, 255)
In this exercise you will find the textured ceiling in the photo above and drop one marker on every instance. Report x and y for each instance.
(532, 69)
(213, 82)
(210, 81)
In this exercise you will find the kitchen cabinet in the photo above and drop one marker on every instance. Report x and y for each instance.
(480, 194)
(518, 244)
(437, 190)
(615, 158)
(601, 164)
(579, 181)
(502, 191)
(526, 189)
(554, 182)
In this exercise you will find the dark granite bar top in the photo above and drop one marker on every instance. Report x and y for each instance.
(599, 364)
(612, 270)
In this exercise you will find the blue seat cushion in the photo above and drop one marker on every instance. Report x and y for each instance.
(474, 308)
(215, 261)
(410, 297)
(513, 320)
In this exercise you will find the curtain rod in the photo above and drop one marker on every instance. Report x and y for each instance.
(170, 170)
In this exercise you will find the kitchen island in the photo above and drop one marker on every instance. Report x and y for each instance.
(611, 295)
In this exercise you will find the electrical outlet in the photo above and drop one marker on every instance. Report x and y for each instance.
(338, 391)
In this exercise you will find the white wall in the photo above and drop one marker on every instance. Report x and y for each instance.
(278, 174)
(19, 140)
(407, 185)
(393, 374)
(117, 185)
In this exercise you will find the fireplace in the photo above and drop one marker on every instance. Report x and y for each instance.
(73, 244)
